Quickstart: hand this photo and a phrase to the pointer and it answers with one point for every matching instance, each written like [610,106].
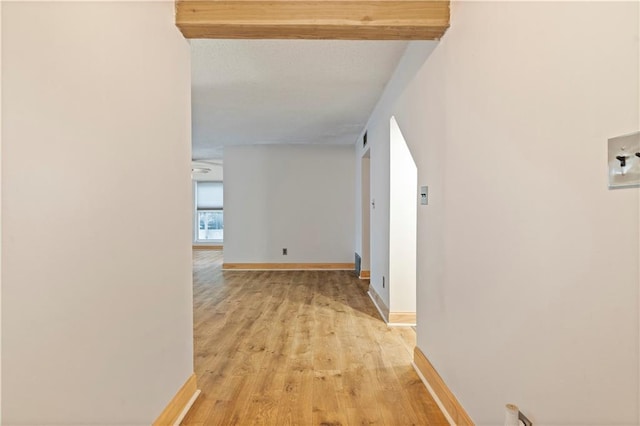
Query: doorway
[403,221]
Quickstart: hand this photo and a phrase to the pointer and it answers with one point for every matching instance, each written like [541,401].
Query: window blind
[209,195]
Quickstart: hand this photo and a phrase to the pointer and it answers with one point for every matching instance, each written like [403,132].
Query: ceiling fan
[204,166]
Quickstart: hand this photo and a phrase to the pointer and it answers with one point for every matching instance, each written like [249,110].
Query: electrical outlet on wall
[284,251]
[383,281]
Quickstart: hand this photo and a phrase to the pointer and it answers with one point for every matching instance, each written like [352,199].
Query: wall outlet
[383,281]
[284,251]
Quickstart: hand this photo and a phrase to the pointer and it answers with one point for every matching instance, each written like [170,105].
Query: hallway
[299,348]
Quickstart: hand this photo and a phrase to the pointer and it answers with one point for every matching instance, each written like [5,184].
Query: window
[210,214]
[210,225]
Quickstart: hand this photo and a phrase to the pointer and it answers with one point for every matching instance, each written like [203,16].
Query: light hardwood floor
[299,348]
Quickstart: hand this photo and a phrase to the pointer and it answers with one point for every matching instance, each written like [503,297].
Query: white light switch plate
[624,163]
[424,195]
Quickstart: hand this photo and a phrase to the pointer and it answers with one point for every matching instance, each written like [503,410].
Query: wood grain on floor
[299,348]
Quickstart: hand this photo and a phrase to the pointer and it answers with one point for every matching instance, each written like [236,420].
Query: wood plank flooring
[299,348]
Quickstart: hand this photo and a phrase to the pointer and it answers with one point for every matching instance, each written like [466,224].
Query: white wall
[363,203]
[528,267]
[403,220]
[96,217]
[293,196]
[365,210]
[379,219]
[379,145]
[379,192]
[358,190]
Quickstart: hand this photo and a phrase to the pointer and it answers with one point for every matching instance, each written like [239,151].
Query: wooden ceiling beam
[313,19]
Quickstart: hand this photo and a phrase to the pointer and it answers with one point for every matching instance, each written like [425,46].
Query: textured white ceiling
[285,91]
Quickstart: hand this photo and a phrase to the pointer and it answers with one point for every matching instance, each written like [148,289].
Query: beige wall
[527,264]
[96,212]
